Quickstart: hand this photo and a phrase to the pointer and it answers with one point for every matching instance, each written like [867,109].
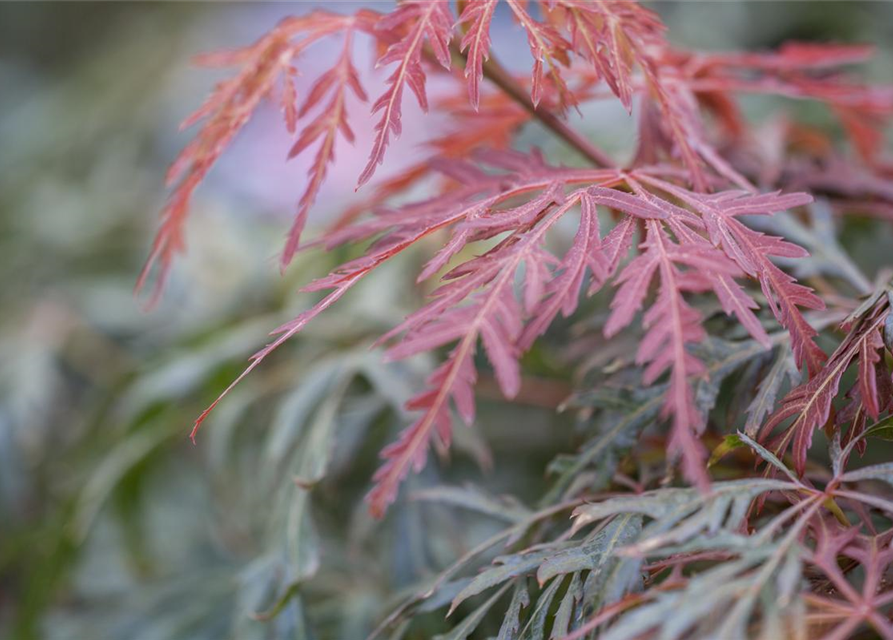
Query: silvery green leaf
[722,358]
[596,553]
[721,602]
[888,323]
[768,456]
[821,238]
[563,615]
[444,594]
[882,472]
[539,617]
[295,409]
[783,367]
[625,416]
[470,622]
[506,567]
[671,506]
[511,624]
[475,499]
[679,515]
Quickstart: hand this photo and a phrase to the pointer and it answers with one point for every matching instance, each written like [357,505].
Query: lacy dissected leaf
[608,576]
[678,515]
[595,553]
[230,106]
[477,301]
[810,404]
[751,251]
[756,582]
[622,414]
[505,298]
[820,237]
[477,16]
[671,325]
[423,21]
[800,71]
[331,120]
[613,37]
[853,607]
[757,593]
[547,47]
[618,414]
[514,200]
[783,367]
[671,322]
[618,36]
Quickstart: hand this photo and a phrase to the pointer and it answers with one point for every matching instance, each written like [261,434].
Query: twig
[495,72]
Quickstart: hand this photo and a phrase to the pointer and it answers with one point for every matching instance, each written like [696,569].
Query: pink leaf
[477,14]
[426,20]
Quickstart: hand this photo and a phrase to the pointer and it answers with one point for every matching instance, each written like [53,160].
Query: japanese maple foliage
[675,236]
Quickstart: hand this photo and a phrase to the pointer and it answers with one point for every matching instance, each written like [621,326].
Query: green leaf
[729,443]
[596,553]
[722,359]
[133,449]
[732,587]
[470,622]
[682,514]
[783,367]
[626,413]
[511,623]
[507,567]
[536,626]
[882,430]
[882,472]
[475,499]
[562,618]
[888,323]
[768,456]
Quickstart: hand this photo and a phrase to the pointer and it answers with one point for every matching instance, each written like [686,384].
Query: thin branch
[495,72]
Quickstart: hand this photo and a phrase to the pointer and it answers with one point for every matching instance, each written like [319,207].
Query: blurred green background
[111,524]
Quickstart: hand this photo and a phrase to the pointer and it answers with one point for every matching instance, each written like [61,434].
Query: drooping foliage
[712,273]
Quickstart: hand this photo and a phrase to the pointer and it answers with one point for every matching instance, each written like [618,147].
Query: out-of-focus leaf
[722,358]
[183,371]
[821,238]
[105,478]
[888,324]
[882,430]
[882,472]
[627,413]
[473,498]
[729,443]
[294,410]
[470,622]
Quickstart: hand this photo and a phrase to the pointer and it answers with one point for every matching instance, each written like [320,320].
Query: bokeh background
[112,525]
